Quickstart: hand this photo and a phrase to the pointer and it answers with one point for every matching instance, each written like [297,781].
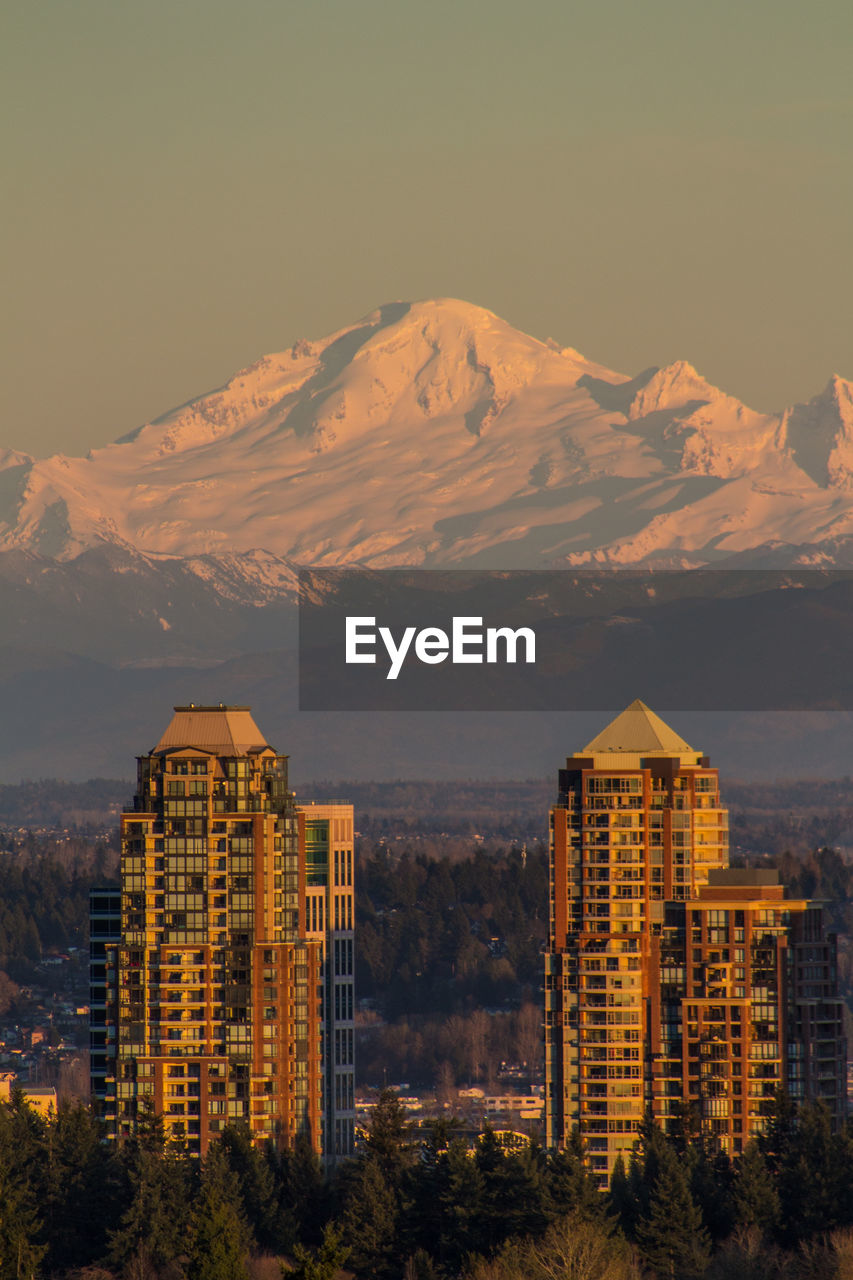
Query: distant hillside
[84,807]
[766,818]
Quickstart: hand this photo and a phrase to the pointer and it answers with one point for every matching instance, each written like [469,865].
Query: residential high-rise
[659,994]
[746,1003]
[211,998]
[326,834]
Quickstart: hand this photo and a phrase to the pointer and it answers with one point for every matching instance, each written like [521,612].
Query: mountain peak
[433,433]
[675,386]
[449,322]
[13,458]
[819,434]
[470,313]
[840,392]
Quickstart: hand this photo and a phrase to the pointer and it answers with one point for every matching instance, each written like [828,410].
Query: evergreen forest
[420,1206]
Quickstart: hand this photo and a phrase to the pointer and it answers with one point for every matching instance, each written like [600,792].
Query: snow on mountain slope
[820,435]
[10,458]
[433,433]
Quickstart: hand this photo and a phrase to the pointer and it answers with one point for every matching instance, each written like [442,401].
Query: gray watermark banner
[570,640]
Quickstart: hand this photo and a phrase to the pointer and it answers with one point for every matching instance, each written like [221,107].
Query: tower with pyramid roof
[673,984]
[637,824]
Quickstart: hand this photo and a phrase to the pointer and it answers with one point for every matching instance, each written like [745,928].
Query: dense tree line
[782,1209]
[44,899]
[425,1208]
[71,1204]
[466,1048]
[442,936]
[439,941]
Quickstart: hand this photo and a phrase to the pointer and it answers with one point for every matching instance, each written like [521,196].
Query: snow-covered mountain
[435,434]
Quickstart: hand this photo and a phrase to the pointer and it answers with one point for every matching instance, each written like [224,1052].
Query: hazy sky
[192,183]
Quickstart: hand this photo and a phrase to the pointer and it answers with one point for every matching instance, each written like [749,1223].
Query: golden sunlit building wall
[642,994]
[747,1003]
[208,985]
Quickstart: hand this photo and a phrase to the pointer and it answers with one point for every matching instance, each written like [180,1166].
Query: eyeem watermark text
[468,642]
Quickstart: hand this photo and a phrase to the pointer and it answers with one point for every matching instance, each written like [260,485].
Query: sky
[190,184]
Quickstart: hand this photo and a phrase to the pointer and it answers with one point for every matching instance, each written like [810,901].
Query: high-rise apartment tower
[671,983]
[326,836]
[213,995]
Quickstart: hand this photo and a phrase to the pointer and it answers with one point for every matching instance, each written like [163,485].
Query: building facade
[209,1000]
[326,831]
[747,1003]
[658,990]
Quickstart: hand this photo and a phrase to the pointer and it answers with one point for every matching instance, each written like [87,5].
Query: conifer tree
[461,1200]
[374,1190]
[526,1192]
[490,1159]
[684,1131]
[158,1195]
[220,1236]
[387,1140]
[671,1235]
[256,1184]
[369,1221]
[421,1219]
[571,1185]
[21,1246]
[711,1182]
[812,1176]
[654,1153]
[756,1200]
[779,1134]
[82,1188]
[620,1198]
[22,1231]
[303,1193]
[323,1263]
[515,1197]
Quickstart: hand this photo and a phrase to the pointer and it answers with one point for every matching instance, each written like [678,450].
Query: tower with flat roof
[746,1004]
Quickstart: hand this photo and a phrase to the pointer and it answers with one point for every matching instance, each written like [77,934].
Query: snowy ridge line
[434,434]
